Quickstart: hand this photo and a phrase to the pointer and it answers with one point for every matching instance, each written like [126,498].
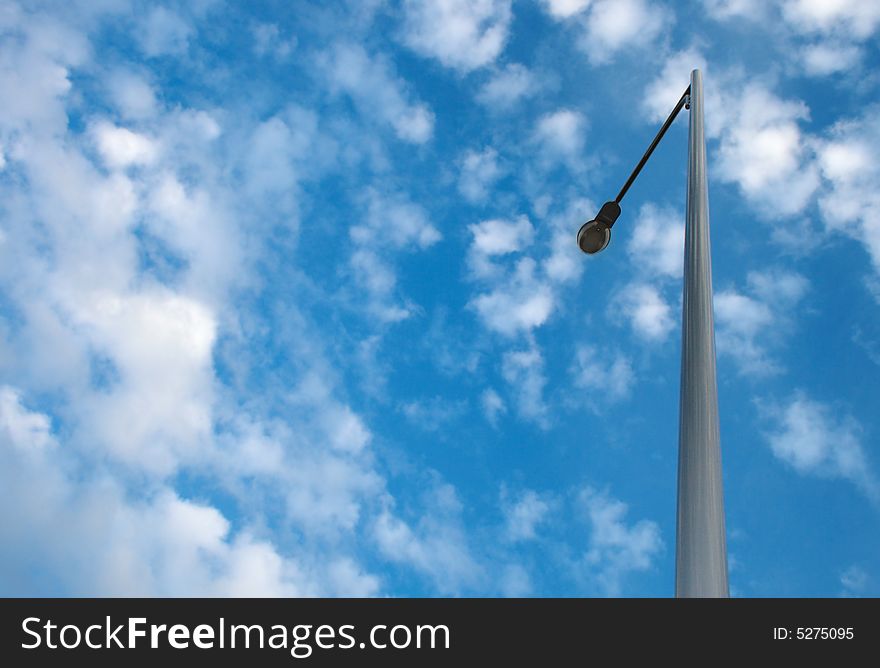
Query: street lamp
[595,234]
[701,548]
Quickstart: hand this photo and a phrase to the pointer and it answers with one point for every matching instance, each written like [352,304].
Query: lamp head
[595,234]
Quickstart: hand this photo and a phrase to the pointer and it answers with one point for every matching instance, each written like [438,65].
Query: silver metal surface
[701,547]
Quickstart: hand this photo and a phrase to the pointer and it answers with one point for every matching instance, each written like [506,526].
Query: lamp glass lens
[593,237]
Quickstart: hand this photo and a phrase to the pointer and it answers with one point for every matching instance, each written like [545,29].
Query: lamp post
[701,549]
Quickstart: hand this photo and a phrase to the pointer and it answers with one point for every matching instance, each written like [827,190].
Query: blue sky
[290,301]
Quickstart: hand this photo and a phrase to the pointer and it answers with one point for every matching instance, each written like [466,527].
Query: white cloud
[461,34]
[647,312]
[120,147]
[764,151]
[777,288]
[95,540]
[317,460]
[270,159]
[844,161]
[739,321]
[268,40]
[345,429]
[515,581]
[179,538]
[614,25]
[132,95]
[822,37]
[517,306]
[561,134]
[565,263]
[609,374]
[313,463]
[524,514]
[853,17]
[615,548]
[395,221]
[824,58]
[741,313]
[493,405]
[415,124]
[161,345]
[761,146]
[849,198]
[855,581]
[657,242]
[508,86]
[500,237]
[327,493]
[182,215]
[563,9]
[377,91]
[868,345]
[816,439]
[436,545]
[516,293]
[748,325]
[655,250]
[433,414]
[518,300]
[725,9]
[125,353]
[524,372]
[392,224]
[34,75]
[345,577]
[251,449]
[164,32]
[479,171]
[379,280]
[20,427]
[153,407]
[674,78]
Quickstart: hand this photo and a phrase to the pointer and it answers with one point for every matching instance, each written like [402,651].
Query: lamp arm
[663,129]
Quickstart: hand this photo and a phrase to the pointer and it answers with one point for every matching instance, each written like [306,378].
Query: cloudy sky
[290,301]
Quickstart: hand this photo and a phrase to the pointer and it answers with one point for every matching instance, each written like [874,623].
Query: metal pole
[701,549]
